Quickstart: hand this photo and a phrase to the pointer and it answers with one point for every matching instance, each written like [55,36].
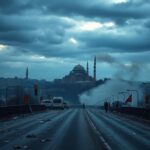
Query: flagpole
[137,95]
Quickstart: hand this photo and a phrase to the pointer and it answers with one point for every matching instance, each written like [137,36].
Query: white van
[58,103]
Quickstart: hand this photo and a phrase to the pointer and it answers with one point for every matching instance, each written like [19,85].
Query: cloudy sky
[52,36]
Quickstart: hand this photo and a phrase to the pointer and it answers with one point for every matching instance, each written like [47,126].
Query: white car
[48,103]
[58,103]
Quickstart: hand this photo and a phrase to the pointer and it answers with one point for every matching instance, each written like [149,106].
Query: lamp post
[6,93]
[113,98]
[137,93]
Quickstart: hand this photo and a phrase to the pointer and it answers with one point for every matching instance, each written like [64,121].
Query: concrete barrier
[139,112]
[22,109]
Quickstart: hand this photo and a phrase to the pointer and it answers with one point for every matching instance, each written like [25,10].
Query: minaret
[95,68]
[87,68]
[27,73]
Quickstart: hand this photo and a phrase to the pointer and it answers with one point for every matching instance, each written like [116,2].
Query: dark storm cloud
[95,8]
[147,23]
[32,32]
[33,22]
[98,8]
[136,58]
[29,39]
[14,23]
[37,26]
[42,33]
[121,43]
[11,7]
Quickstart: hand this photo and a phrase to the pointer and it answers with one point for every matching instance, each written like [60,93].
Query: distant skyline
[51,37]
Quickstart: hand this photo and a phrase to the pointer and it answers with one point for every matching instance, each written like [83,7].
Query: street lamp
[113,96]
[137,95]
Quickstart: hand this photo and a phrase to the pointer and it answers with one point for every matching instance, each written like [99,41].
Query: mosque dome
[78,68]
[77,74]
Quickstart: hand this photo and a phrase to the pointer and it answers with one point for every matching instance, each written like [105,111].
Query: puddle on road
[20,147]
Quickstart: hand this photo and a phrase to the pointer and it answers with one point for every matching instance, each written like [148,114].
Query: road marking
[98,133]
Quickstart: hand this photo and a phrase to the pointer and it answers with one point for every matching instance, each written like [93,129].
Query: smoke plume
[106,58]
[110,92]
[129,71]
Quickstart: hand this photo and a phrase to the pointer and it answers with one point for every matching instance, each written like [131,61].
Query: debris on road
[45,140]
[17,147]
[25,147]
[31,136]
[16,117]
[20,147]
[45,120]
[6,141]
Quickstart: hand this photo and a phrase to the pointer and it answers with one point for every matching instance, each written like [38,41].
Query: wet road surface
[73,129]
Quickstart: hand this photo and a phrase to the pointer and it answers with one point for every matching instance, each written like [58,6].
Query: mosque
[77,75]
[80,75]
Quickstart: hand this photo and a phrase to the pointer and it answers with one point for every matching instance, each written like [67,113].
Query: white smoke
[110,91]
[129,71]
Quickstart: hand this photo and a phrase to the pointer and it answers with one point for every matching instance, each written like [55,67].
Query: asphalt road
[73,129]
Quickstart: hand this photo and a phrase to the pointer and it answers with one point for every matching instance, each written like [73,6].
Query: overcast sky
[52,36]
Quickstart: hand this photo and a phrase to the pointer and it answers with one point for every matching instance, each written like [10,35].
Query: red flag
[129,99]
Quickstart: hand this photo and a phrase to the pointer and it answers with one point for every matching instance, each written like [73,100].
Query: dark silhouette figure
[106,106]
[83,106]
[117,106]
[109,106]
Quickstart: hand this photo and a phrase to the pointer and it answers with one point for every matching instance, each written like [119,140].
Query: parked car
[58,103]
[48,103]
[66,105]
